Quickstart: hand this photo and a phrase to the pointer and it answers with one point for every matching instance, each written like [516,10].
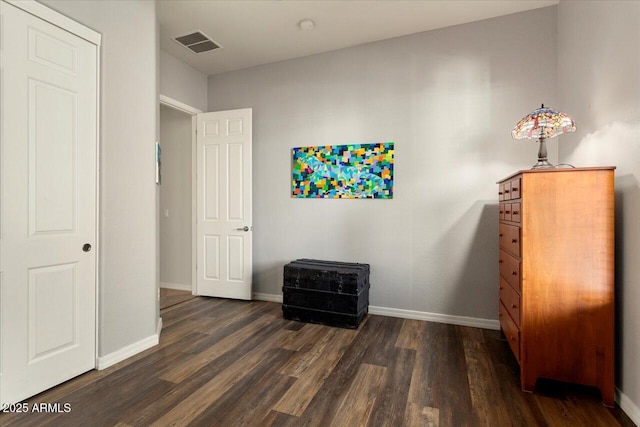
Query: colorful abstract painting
[352,171]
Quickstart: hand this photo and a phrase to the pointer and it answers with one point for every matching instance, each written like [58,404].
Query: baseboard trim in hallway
[111,359]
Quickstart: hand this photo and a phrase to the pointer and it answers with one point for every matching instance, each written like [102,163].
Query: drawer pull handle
[500,235]
[513,338]
[506,211]
[501,288]
[500,261]
[514,189]
[506,191]
[514,240]
[513,273]
[515,212]
[514,306]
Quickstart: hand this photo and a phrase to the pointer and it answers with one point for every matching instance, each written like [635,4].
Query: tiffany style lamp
[543,123]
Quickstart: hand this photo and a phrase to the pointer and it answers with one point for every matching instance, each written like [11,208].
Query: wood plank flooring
[233,363]
[169,297]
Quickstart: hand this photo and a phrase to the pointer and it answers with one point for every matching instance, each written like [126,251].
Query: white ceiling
[263,31]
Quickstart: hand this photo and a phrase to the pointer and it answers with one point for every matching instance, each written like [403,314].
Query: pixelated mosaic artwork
[351,171]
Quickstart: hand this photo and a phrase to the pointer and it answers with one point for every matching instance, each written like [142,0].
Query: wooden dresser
[556,233]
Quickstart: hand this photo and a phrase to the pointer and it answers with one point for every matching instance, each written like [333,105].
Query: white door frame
[55,18]
[192,111]
[45,13]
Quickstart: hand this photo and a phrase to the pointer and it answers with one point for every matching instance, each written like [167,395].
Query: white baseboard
[176,286]
[436,317]
[410,314]
[159,327]
[267,297]
[628,406]
[131,350]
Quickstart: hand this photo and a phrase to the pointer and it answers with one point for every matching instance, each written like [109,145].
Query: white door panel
[48,209]
[52,140]
[224,234]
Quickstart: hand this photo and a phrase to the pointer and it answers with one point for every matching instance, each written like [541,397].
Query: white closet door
[48,204]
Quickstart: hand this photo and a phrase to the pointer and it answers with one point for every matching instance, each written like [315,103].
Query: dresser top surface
[554,170]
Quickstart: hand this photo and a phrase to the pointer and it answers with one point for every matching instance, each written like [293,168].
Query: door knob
[86,247]
[245,228]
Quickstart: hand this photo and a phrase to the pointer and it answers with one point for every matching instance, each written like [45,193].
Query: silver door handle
[245,228]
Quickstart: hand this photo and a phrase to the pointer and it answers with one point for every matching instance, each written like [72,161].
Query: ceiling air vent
[197,42]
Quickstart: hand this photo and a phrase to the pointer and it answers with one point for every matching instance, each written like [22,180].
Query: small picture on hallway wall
[158,164]
[350,171]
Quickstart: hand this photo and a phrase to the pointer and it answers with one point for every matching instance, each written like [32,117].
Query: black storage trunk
[327,292]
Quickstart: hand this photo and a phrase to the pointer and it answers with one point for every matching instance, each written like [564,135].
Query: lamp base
[543,164]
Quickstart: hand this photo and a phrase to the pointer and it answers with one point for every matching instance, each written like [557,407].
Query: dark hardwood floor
[228,363]
[169,297]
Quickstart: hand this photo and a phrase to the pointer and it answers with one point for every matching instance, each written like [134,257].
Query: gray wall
[599,83]
[128,306]
[449,99]
[182,82]
[175,197]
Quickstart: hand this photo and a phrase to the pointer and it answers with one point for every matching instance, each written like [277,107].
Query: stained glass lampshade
[543,123]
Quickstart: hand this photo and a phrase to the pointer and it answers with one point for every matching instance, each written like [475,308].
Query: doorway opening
[176,202]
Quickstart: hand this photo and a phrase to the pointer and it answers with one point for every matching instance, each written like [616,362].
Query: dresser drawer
[501,211]
[511,300]
[509,269]
[510,238]
[515,212]
[515,188]
[511,331]
[507,190]
[500,192]
[507,211]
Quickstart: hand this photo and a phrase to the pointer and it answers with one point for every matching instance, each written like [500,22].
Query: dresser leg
[528,384]
[608,398]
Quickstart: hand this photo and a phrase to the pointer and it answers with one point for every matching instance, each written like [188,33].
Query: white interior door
[48,204]
[224,231]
